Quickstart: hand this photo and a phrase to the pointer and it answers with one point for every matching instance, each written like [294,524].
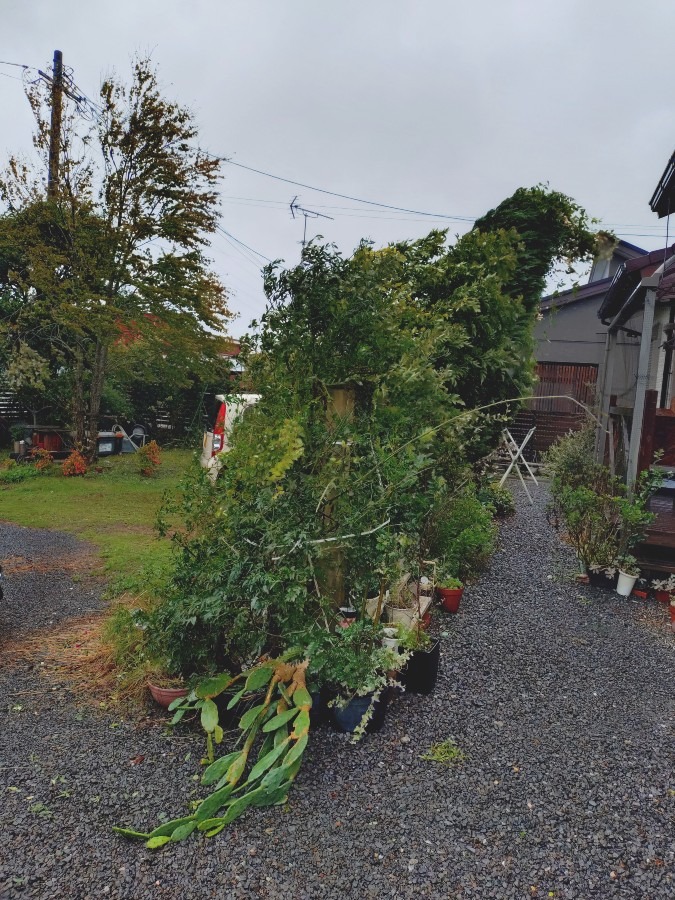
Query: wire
[310,187]
[227,234]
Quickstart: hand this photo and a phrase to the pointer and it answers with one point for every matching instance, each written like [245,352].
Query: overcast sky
[437,106]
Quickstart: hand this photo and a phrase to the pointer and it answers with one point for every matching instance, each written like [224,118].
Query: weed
[446,752]
[39,809]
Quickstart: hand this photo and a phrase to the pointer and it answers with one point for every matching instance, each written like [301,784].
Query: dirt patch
[80,562]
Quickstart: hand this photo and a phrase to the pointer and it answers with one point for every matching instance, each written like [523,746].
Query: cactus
[286,704]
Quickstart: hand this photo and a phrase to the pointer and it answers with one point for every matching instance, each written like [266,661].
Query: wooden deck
[657,551]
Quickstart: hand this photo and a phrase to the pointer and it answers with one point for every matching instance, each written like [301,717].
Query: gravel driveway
[561,697]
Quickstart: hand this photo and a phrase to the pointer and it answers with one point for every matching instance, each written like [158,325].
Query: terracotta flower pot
[662,596]
[165,696]
[450,598]
[641,594]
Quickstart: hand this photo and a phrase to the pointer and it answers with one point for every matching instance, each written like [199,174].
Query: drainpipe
[642,380]
[606,381]
[667,363]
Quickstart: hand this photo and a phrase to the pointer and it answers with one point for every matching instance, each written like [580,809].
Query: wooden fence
[549,410]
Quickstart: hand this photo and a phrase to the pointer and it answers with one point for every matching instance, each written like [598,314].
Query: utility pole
[55,127]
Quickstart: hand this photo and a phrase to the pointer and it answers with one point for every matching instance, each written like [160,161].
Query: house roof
[590,291]
[663,198]
[594,289]
[627,278]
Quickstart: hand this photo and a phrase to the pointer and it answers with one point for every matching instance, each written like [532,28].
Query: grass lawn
[114,510]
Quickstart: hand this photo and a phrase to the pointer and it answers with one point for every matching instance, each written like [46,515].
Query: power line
[257,252]
[310,187]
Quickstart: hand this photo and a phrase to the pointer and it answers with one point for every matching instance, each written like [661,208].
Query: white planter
[407,616]
[390,643]
[625,584]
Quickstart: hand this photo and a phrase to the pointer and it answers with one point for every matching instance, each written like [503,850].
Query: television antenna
[307,214]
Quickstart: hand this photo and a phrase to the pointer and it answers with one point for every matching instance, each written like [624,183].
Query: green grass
[114,510]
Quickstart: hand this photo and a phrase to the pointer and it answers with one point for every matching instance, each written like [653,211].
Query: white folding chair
[515,452]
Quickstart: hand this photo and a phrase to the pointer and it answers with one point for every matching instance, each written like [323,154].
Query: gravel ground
[561,697]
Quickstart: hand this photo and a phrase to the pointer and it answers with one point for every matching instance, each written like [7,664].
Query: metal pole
[606,383]
[55,127]
[642,383]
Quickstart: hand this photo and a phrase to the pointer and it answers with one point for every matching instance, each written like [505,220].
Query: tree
[119,251]
[552,230]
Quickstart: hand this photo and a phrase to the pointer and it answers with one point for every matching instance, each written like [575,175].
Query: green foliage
[354,466]
[352,660]
[446,752]
[278,727]
[461,535]
[416,638]
[602,523]
[552,230]
[499,498]
[115,258]
[12,473]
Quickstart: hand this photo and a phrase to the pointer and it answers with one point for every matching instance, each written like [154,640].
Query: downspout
[642,380]
[667,364]
[606,381]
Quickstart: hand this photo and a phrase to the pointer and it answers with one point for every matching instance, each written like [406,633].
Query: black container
[228,719]
[421,672]
[318,712]
[599,579]
[348,719]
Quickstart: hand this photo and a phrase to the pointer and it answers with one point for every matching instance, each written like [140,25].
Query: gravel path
[561,697]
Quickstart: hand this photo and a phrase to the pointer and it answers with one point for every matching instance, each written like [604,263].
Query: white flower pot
[625,584]
[407,616]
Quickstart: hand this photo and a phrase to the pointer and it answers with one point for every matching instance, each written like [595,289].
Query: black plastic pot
[228,719]
[348,719]
[421,672]
[599,579]
[318,711]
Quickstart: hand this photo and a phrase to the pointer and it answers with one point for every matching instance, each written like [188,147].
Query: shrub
[75,464]
[149,458]
[499,498]
[11,473]
[602,523]
[462,535]
[43,459]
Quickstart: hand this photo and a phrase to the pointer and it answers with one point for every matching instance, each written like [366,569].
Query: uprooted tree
[117,254]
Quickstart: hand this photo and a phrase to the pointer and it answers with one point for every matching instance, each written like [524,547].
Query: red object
[219,430]
[166,696]
[662,596]
[641,594]
[426,619]
[450,598]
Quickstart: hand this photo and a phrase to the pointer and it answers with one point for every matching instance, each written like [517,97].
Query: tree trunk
[95,391]
[78,399]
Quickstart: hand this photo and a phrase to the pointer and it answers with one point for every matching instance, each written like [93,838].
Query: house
[569,351]
[637,395]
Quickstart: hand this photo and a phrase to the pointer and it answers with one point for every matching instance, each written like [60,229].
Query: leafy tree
[119,251]
[309,498]
[552,229]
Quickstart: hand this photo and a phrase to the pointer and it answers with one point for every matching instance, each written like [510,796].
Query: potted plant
[628,574]
[450,591]
[354,669]
[663,588]
[165,689]
[421,671]
[18,433]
